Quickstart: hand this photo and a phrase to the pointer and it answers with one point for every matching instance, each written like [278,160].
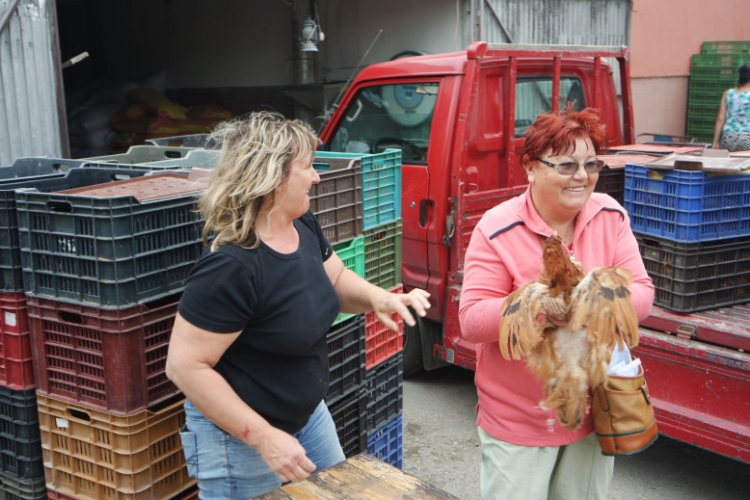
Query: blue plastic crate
[687,206]
[381,184]
[387,444]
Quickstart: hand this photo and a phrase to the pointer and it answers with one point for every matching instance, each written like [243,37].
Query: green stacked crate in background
[712,72]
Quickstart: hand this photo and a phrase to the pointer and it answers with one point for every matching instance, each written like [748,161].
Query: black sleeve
[220,294]
[326,250]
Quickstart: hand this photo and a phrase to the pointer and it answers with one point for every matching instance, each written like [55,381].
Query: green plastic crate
[720,60]
[733,47]
[383,254]
[352,253]
[715,73]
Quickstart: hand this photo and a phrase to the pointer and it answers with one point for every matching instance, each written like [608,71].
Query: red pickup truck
[459,120]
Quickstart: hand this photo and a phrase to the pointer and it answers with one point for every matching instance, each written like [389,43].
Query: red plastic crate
[16,359]
[381,342]
[111,360]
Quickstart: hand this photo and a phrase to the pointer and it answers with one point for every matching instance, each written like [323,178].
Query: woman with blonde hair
[248,348]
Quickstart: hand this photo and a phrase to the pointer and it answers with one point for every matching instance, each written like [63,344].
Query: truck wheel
[413,363]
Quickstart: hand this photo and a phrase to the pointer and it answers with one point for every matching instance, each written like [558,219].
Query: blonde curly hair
[257,151]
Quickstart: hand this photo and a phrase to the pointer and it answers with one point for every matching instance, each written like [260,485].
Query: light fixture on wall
[311,35]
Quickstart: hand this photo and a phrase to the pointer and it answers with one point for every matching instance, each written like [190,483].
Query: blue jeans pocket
[190,449]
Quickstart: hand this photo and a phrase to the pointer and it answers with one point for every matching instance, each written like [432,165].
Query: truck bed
[698,373]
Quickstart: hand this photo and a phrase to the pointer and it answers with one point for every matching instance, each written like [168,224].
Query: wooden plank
[361,477]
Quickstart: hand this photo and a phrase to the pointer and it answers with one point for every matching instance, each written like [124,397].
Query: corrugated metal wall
[579,22]
[29,81]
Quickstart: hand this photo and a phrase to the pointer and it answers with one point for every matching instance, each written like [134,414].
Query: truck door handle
[423,206]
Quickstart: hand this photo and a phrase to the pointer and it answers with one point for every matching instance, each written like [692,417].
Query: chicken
[568,359]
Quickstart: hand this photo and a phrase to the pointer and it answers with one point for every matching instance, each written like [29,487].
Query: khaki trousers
[577,471]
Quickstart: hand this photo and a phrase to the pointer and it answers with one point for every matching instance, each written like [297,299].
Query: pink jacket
[505,253]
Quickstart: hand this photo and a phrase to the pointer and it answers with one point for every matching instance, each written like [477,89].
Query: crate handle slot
[173,154]
[651,242]
[319,165]
[378,236]
[655,174]
[78,414]
[122,177]
[60,206]
[70,317]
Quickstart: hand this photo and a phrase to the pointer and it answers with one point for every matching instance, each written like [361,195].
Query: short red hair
[559,131]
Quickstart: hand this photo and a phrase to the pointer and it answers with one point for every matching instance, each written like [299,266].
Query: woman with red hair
[526,452]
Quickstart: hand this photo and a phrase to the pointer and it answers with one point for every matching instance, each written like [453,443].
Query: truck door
[398,114]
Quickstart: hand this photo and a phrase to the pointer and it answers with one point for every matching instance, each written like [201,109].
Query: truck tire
[413,362]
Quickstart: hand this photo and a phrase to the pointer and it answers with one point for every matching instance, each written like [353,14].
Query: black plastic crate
[11,276]
[350,417]
[20,439]
[691,277]
[612,182]
[111,252]
[385,391]
[12,489]
[346,358]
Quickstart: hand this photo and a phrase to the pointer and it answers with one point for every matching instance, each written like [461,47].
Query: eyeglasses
[571,167]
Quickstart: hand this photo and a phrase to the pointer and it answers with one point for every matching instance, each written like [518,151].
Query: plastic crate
[94,455]
[612,182]
[198,158]
[191,494]
[738,47]
[20,442]
[716,74]
[721,60]
[16,358]
[336,200]
[383,254]
[702,114]
[691,277]
[142,154]
[346,358]
[385,391]
[40,168]
[112,361]
[381,184]
[705,98]
[381,341]
[352,254]
[387,443]
[190,141]
[114,245]
[350,417]
[12,489]
[687,206]
[11,275]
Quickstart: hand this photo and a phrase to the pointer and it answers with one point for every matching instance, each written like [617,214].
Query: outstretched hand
[390,303]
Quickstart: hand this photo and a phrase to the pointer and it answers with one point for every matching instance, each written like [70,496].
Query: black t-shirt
[284,304]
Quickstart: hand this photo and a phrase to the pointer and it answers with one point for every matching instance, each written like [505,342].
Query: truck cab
[459,120]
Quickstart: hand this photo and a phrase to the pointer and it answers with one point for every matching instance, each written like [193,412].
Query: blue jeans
[228,469]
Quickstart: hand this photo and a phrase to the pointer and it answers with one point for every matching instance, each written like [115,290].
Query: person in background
[248,348]
[733,120]
[526,453]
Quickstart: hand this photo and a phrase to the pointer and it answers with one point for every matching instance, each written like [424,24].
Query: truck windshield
[388,116]
[534,97]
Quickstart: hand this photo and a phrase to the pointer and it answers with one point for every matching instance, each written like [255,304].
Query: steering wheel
[409,150]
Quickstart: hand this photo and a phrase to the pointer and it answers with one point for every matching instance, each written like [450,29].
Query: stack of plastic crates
[103,265]
[693,230]
[368,418]
[21,468]
[712,72]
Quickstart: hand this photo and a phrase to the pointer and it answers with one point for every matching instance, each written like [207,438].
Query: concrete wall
[666,33]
